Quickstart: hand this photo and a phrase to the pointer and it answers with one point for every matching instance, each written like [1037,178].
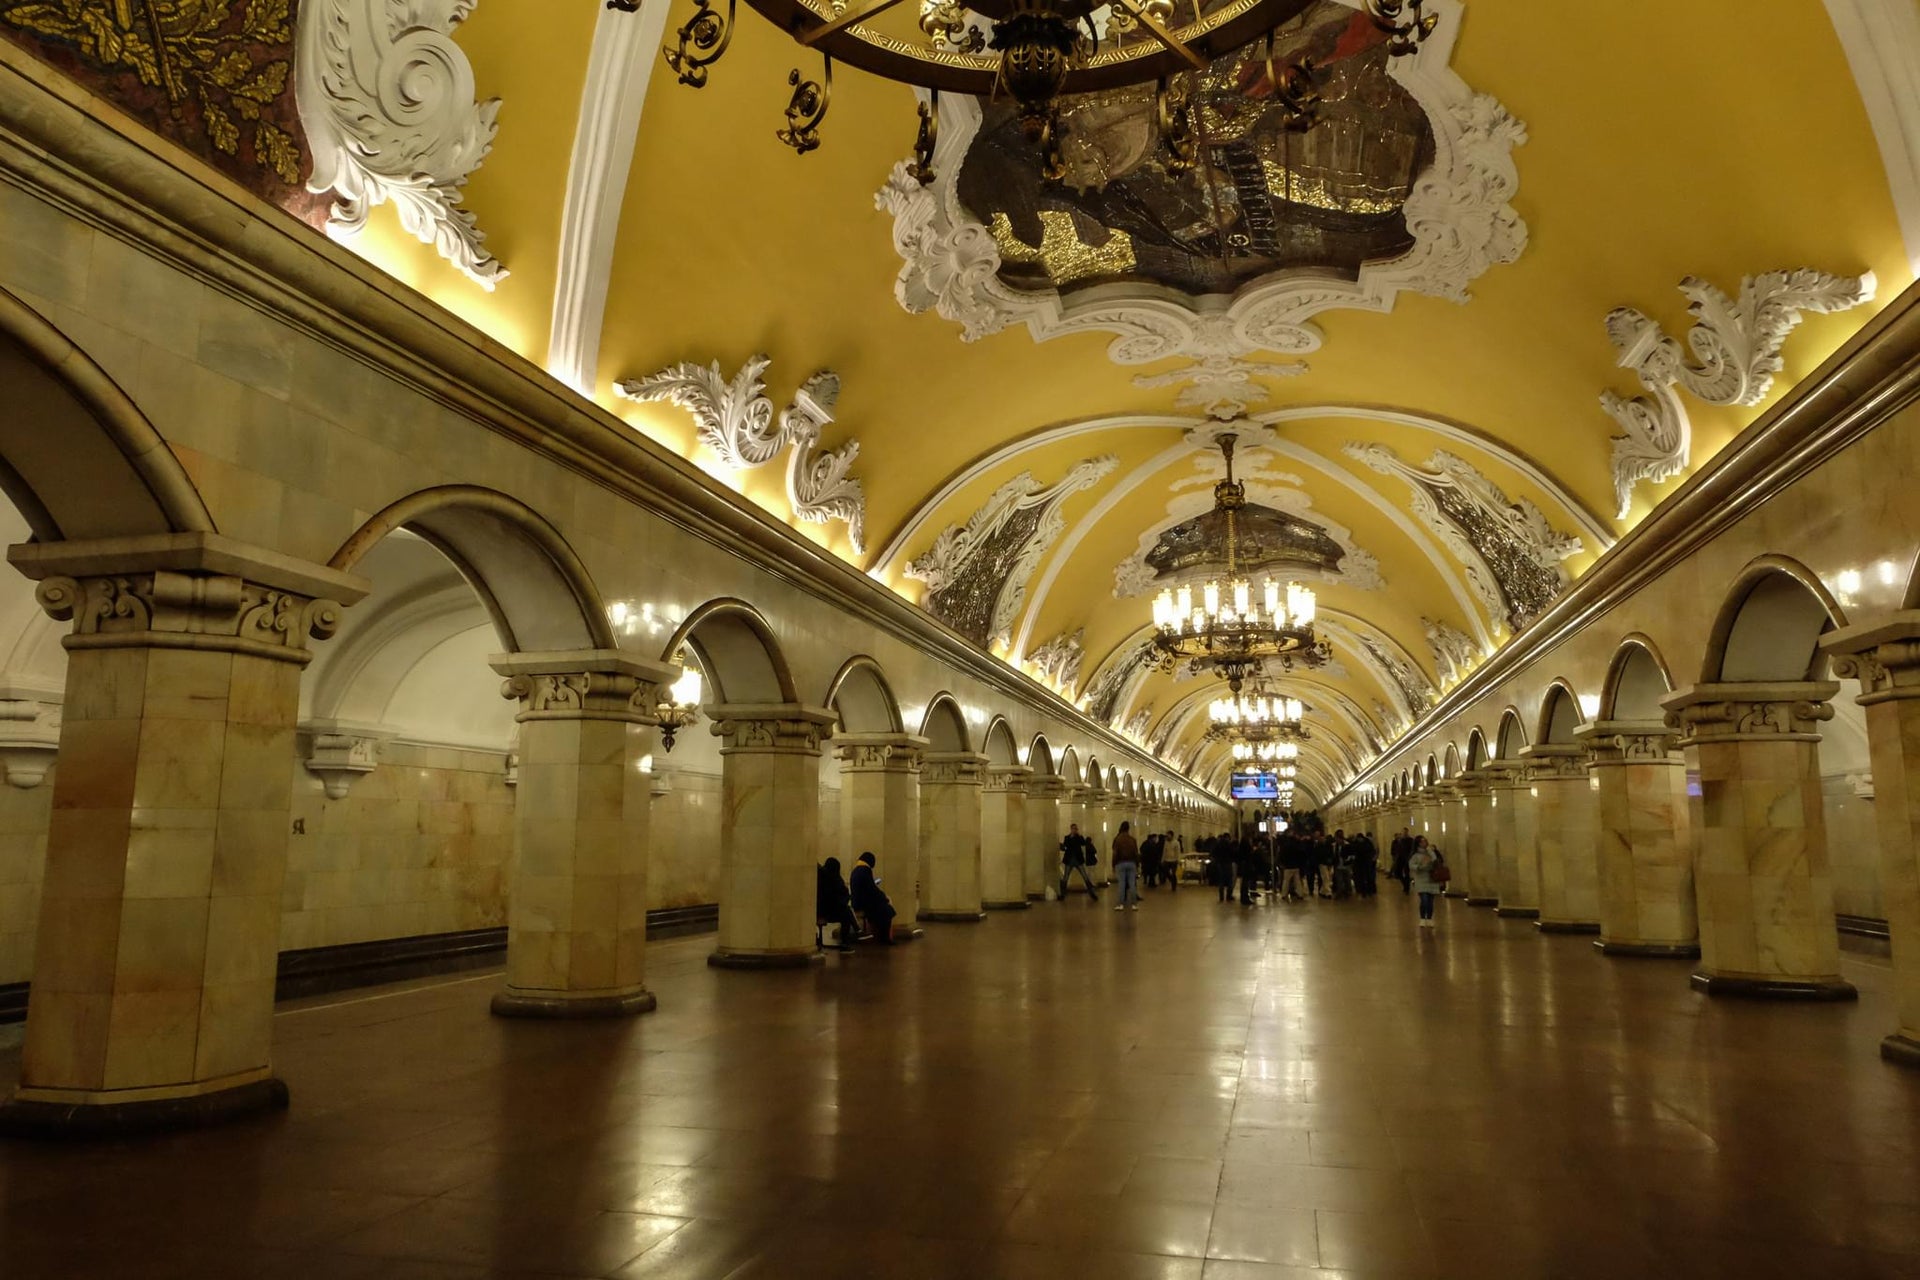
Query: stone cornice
[76,151]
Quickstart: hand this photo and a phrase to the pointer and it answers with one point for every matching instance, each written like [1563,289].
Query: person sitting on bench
[832,903]
[871,901]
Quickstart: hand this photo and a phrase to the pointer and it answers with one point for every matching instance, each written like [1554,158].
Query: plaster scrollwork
[1136,725]
[977,574]
[387,101]
[1454,651]
[1059,660]
[1459,215]
[734,418]
[1511,554]
[583,695]
[1735,346]
[223,612]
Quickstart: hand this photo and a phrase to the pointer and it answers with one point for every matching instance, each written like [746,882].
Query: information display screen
[1250,785]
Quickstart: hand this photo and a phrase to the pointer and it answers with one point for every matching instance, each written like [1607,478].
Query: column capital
[1554,761]
[1008,777]
[341,752]
[1506,775]
[1473,782]
[771,728]
[1787,711]
[1883,656]
[1623,742]
[583,684]
[1049,785]
[956,768]
[879,752]
[187,591]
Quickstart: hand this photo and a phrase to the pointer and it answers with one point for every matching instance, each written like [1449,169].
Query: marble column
[1516,869]
[880,814]
[1003,838]
[577,901]
[769,833]
[1476,870]
[1646,854]
[1760,839]
[950,842]
[1566,837]
[159,928]
[1446,833]
[1042,865]
[1885,658]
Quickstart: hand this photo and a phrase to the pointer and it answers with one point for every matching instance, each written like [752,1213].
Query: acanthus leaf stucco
[1735,345]
[387,101]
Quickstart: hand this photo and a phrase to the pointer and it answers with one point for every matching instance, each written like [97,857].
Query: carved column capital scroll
[1783,712]
[1613,743]
[587,684]
[879,752]
[1883,656]
[1008,777]
[954,768]
[772,728]
[1554,762]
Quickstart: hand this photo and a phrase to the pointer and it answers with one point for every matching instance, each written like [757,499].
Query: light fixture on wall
[681,705]
[1231,627]
[1032,51]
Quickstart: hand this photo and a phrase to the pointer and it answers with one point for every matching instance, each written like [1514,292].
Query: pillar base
[954,917]
[1037,897]
[1454,893]
[524,1004]
[1482,902]
[1900,1048]
[1567,926]
[1517,913]
[1652,950]
[764,959]
[1816,989]
[1022,905]
[31,1117]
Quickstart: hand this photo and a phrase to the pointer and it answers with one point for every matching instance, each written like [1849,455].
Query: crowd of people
[1304,861]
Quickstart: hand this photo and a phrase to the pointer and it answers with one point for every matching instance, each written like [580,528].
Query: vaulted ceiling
[1432,429]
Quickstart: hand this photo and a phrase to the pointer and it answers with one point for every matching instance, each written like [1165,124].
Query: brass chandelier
[1034,51]
[1259,717]
[1231,628]
[1267,753]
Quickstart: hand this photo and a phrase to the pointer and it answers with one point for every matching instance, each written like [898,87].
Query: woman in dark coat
[831,901]
[871,901]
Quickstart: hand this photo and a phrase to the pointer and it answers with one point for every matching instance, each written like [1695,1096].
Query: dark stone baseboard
[1023,905]
[1517,913]
[954,917]
[318,971]
[1567,926]
[31,1119]
[1483,902]
[1904,1050]
[1649,950]
[1816,990]
[511,1004]
[765,960]
[1863,926]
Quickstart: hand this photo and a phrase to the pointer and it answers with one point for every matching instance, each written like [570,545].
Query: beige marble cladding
[769,832]
[1516,870]
[950,835]
[23,855]
[1041,865]
[1566,837]
[1759,833]
[1853,843]
[420,845]
[1473,871]
[880,813]
[1647,902]
[1003,835]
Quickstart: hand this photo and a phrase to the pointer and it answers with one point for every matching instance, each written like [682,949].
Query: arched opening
[944,726]
[1040,757]
[1070,767]
[1450,762]
[738,653]
[1559,715]
[1476,749]
[1769,628]
[1512,738]
[998,745]
[863,699]
[1636,681]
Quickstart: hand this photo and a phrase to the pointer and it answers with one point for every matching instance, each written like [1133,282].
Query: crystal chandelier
[1233,627]
[1033,51]
[1267,753]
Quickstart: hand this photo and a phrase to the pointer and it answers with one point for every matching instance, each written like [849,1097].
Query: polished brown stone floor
[1189,1091]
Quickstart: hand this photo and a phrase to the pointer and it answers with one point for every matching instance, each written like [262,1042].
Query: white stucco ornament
[387,101]
[1735,344]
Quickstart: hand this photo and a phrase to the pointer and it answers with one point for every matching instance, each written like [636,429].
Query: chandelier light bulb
[1183,601]
[1210,594]
[1242,596]
[1273,598]
[1163,613]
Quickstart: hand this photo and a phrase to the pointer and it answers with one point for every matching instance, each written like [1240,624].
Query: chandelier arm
[1160,33]
[845,20]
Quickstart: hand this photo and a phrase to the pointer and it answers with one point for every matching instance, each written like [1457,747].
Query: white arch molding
[1881,39]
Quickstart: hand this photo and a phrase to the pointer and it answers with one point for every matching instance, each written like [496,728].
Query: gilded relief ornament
[227,63]
[1735,346]
[387,99]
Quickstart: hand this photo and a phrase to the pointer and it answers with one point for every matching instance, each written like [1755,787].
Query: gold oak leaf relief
[193,51]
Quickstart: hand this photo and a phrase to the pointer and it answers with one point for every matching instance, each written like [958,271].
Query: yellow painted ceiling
[1716,139]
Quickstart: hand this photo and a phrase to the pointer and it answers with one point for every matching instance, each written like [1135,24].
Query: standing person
[1420,867]
[1249,867]
[1402,850]
[1220,866]
[1126,866]
[871,901]
[831,902]
[1076,852]
[1291,852]
[1366,867]
[1153,852]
